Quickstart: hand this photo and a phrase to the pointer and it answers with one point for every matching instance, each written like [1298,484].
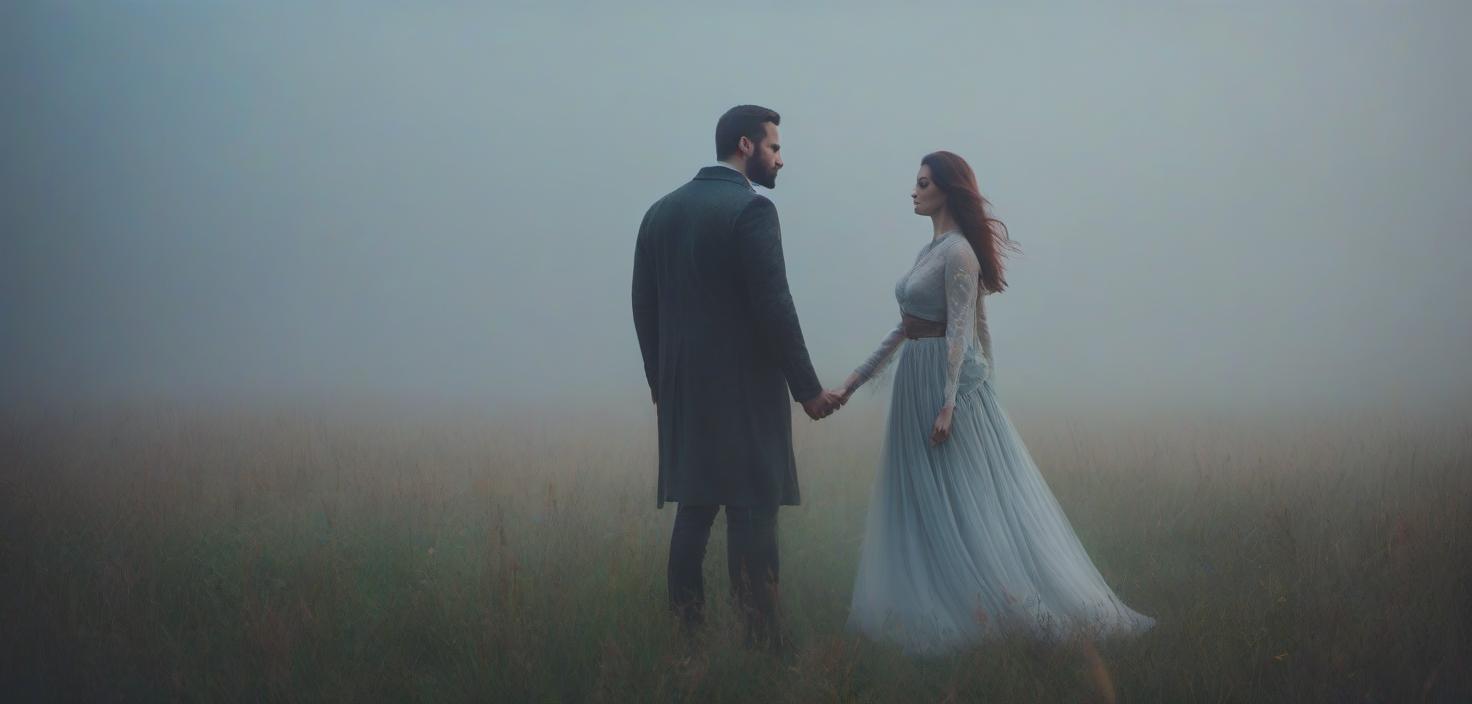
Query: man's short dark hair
[742,121]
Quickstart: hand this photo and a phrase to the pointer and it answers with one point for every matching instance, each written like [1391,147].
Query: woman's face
[927,197]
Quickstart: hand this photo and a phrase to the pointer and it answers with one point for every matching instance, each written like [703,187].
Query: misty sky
[1217,202]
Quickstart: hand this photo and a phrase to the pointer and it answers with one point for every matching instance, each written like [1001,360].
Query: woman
[963,538]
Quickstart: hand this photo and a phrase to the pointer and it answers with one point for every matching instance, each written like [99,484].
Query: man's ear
[746,146]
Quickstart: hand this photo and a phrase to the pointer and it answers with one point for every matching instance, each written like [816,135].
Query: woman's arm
[875,363]
[961,282]
[962,279]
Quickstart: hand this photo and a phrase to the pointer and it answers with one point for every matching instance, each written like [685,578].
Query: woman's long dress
[964,540]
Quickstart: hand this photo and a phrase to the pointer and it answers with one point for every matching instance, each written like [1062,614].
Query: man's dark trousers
[751,560]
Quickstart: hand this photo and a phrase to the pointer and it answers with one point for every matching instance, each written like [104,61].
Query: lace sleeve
[877,361]
[962,272]
[984,335]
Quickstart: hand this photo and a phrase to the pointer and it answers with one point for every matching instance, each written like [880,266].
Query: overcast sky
[1229,203]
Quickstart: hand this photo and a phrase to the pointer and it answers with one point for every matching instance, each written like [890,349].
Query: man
[722,350]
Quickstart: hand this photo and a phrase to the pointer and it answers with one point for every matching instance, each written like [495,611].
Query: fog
[1219,204]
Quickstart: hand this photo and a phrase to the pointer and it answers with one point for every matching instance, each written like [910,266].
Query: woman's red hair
[987,235]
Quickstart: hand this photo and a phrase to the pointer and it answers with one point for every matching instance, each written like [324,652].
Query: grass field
[162,553]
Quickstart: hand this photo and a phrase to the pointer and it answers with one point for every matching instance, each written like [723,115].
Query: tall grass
[183,553]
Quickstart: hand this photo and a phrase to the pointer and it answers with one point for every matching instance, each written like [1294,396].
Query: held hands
[941,431]
[823,405]
[834,398]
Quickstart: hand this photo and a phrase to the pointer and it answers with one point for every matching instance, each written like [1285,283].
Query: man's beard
[760,174]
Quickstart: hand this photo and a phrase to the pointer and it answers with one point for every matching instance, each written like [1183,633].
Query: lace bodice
[942,286]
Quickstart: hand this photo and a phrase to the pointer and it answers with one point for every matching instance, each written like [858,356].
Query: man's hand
[822,405]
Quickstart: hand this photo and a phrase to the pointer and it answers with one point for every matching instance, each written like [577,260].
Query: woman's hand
[941,431]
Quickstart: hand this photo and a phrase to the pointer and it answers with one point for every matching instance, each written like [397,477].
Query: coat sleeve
[646,306]
[758,246]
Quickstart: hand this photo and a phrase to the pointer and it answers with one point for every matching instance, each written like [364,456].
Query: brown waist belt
[915,328]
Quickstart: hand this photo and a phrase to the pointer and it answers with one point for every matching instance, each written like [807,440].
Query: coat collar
[721,173]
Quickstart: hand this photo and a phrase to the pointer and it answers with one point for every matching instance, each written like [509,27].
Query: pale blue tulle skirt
[964,541]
